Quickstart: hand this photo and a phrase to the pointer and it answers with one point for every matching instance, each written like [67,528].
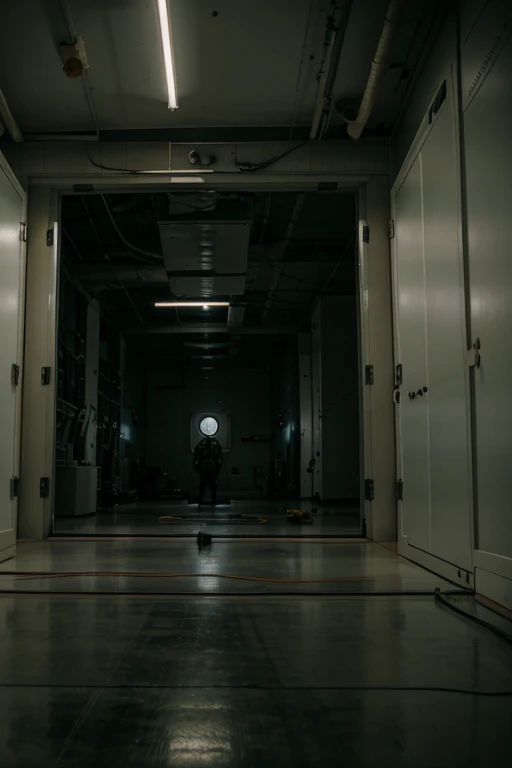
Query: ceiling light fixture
[180,304]
[165,33]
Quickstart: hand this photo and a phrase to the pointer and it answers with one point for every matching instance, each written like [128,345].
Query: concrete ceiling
[239,63]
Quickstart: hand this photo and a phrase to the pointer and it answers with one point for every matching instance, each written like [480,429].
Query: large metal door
[446,343]
[413,440]
[11,278]
[432,418]
[488,131]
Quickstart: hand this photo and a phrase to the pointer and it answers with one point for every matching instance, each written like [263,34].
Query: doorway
[177,309]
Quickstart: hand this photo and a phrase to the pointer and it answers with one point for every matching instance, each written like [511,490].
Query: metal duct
[205,251]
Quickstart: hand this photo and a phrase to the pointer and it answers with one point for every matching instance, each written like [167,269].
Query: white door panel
[410,308]
[431,341]
[11,210]
[446,339]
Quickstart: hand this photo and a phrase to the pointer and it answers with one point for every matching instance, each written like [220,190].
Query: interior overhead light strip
[165,33]
[179,304]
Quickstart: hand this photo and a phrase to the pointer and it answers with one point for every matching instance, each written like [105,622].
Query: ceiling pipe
[73,37]
[9,121]
[322,77]
[61,137]
[379,69]
[341,32]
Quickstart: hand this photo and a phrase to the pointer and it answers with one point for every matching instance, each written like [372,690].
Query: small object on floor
[298,516]
[204,539]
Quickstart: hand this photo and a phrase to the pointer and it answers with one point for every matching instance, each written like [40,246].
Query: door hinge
[366,234]
[473,355]
[46,373]
[15,374]
[391,229]
[49,237]
[23,231]
[399,490]
[369,491]
[44,487]
[368,375]
[15,487]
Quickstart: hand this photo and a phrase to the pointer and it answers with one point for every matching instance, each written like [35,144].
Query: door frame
[366,175]
[8,538]
[425,559]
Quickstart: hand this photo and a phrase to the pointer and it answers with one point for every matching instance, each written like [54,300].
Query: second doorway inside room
[212,315]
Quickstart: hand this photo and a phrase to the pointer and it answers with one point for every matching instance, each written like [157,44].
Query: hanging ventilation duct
[205,247]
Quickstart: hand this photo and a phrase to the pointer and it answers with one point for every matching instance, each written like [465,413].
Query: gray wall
[174,394]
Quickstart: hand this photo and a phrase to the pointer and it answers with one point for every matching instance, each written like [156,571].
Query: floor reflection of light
[199,749]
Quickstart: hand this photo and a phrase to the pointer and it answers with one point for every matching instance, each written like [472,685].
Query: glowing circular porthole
[209,426]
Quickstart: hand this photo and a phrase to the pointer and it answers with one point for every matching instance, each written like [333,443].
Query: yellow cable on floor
[24,576]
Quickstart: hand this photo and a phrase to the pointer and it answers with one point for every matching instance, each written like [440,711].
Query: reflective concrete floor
[244,680]
[248,518]
[291,566]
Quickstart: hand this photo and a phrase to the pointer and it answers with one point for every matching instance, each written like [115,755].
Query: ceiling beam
[206,329]
[145,275]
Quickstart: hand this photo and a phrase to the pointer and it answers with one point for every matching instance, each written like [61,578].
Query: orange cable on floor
[28,576]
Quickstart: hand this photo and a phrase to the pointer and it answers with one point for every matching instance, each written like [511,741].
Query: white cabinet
[430,331]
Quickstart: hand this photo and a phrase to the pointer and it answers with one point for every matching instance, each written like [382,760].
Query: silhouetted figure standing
[208,462]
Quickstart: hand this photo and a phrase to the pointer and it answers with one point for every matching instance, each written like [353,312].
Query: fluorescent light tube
[178,304]
[165,33]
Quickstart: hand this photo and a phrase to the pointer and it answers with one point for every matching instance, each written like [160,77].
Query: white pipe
[8,120]
[379,69]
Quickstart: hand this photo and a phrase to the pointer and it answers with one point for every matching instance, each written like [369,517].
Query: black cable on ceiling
[254,167]
[129,171]
[242,167]
[132,248]
[339,261]
[299,74]
[271,263]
